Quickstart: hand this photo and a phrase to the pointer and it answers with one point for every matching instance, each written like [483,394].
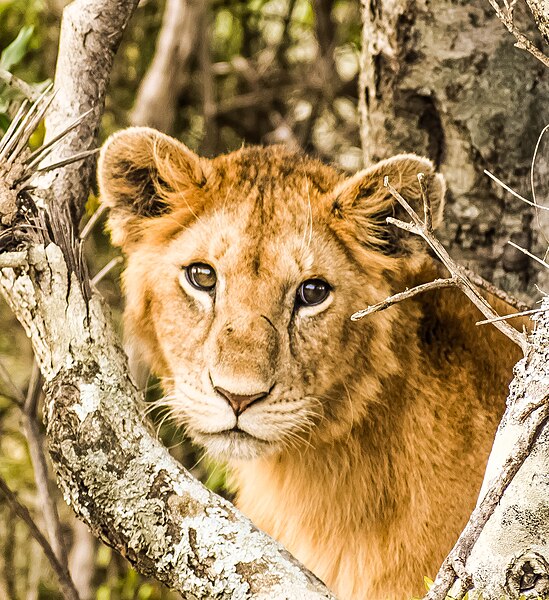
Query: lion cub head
[242,273]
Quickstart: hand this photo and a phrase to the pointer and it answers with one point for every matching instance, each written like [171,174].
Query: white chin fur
[230,446]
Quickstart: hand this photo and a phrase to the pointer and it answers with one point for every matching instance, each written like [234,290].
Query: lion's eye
[201,276]
[313,292]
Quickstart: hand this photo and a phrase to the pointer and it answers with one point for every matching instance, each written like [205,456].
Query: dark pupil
[313,291]
[201,276]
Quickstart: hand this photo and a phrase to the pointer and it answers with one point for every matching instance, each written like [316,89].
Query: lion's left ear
[366,202]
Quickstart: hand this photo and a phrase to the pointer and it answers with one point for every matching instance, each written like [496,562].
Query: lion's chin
[233,445]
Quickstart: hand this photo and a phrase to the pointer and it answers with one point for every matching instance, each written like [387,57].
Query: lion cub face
[242,274]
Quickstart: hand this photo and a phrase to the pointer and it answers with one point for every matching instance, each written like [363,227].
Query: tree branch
[522,41]
[67,587]
[458,277]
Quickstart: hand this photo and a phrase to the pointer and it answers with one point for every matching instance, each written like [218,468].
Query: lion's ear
[366,202]
[141,174]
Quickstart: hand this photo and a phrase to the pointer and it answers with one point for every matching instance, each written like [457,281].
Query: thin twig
[106,269]
[437,284]
[68,161]
[522,41]
[524,313]
[533,256]
[512,191]
[39,154]
[88,227]
[418,227]
[18,84]
[65,583]
[485,285]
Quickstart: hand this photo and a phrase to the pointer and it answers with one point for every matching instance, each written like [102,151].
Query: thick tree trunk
[445,80]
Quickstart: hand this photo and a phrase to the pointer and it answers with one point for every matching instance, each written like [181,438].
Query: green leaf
[17,49]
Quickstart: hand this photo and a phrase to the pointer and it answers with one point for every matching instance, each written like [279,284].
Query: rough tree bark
[511,556]
[445,80]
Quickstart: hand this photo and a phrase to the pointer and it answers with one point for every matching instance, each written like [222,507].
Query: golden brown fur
[366,455]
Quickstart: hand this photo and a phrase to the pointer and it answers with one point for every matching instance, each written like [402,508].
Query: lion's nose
[239,403]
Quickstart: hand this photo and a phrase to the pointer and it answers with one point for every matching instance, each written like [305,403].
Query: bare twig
[485,285]
[458,277]
[35,441]
[88,227]
[106,269]
[512,191]
[67,587]
[533,256]
[524,313]
[522,41]
[437,284]
[18,84]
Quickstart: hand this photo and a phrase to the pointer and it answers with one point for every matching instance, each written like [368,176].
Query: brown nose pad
[238,402]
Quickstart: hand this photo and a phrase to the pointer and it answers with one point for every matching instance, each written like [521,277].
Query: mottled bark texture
[445,80]
[91,32]
[116,476]
[511,556]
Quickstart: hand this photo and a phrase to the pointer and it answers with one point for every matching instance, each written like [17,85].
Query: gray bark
[511,556]
[116,476]
[91,32]
[445,80]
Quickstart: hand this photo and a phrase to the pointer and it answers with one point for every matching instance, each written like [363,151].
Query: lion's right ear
[142,173]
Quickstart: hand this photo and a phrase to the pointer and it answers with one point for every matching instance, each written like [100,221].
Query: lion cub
[358,445]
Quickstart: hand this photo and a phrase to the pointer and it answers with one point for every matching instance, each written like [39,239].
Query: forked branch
[458,276]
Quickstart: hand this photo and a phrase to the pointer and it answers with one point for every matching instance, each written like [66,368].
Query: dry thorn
[523,313]
[106,269]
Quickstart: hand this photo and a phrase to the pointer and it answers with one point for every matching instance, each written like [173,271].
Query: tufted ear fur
[142,174]
[366,202]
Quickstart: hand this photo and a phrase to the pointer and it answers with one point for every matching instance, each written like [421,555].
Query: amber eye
[312,292]
[201,276]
